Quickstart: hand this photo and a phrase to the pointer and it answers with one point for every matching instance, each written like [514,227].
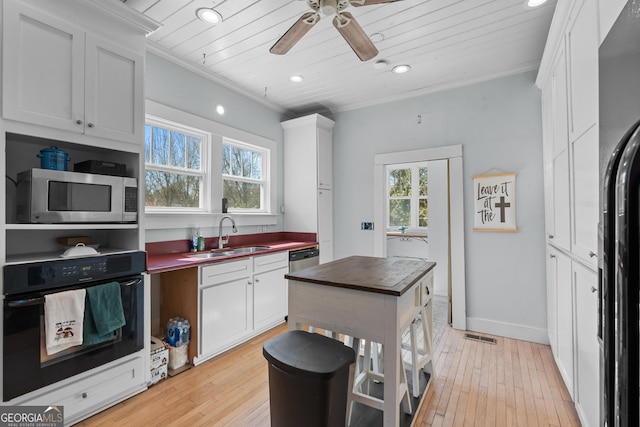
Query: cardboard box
[159,359]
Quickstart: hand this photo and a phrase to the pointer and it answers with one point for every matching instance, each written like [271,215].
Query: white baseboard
[508,330]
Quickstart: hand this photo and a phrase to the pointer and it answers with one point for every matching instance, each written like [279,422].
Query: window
[407,194]
[175,166]
[244,176]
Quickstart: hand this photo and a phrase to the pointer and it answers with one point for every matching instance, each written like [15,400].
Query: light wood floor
[512,383]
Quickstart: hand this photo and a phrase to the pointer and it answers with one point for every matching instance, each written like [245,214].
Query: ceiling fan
[344,22]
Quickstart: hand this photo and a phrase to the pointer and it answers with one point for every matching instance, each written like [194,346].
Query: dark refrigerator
[619,260]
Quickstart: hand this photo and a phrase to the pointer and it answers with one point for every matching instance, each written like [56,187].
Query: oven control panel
[29,277]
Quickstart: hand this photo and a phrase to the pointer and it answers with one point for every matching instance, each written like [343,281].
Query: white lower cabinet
[98,389]
[240,299]
[587,396]
[224,314]
[564,314]
[270,290]
[573,322]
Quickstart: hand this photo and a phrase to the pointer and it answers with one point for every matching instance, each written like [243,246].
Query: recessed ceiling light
[534,3]
[400,69]
[296,78]
[209,15]
[220,109]
[376,37]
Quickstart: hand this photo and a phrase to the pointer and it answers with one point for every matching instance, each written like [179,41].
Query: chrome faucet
[223,240]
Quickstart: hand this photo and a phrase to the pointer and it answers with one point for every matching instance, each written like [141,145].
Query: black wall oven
[26,365]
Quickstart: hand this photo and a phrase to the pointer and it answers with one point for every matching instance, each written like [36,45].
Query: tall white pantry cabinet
[568,78]
[308,179]
[73,77]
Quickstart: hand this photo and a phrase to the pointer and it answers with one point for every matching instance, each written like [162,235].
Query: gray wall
[499,125]
[177,87]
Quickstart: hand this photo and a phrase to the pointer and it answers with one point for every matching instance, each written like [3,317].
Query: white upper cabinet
[43,69]
[585,196]
[560,119]
[58,75]
[114,93]
[582,45]
[569,81]
[308,179]
[325,158]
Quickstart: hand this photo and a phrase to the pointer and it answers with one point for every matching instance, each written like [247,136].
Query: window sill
[173,220]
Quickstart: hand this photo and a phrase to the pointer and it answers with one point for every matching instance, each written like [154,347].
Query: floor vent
[480,338]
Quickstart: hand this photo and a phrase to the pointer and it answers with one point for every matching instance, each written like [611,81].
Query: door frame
[452,153]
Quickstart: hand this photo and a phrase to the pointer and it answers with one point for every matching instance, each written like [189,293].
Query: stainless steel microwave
[52,196]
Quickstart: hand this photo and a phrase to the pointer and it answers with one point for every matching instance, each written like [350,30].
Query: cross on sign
[502,206]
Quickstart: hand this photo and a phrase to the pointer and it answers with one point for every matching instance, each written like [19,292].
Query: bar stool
[421,352]
[363,371]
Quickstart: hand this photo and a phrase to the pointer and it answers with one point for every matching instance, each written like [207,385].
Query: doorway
[455,227]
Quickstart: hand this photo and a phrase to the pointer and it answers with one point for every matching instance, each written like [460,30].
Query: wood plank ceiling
[447,43]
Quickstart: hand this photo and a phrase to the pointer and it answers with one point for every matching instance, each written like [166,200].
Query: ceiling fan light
[376,37]
[220,109]
[400,69]
[380,64]
[534,3]
[208,15]
[296,78]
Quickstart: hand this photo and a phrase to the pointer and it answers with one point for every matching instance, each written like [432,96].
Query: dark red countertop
[174,255]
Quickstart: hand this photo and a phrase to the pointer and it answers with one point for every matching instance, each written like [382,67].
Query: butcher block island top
[390,276]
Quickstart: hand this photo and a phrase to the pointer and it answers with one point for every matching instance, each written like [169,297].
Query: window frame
[414,198]
[210,216]
[264,182]
[205,165]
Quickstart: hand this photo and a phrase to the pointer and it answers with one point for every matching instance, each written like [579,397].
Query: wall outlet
[366,226]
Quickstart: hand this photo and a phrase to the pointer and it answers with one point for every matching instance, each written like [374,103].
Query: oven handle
[40,300]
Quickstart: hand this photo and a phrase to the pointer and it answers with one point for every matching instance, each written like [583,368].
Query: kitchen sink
[211,254]
[216,253]
[250,249]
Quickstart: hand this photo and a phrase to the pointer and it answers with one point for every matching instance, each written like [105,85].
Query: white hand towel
[63,320]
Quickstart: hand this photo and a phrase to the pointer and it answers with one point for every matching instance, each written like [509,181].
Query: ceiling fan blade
[295,33]
[359,3]
[355,36]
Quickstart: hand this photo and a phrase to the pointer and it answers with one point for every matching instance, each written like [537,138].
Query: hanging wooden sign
[495,202]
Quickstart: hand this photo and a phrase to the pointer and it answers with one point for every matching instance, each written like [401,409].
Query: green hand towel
[103,313]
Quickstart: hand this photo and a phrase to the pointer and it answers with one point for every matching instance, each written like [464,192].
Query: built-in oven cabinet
[27,242]
[92,83]
[92,391]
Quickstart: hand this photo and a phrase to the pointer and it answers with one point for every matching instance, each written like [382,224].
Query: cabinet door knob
[591,254]
[78,122]
[550,236]
[257,280]
[90,125]
[552,256]
[593,289]
[249,282]
[85,395]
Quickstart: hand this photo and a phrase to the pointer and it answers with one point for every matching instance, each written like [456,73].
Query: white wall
[499,125]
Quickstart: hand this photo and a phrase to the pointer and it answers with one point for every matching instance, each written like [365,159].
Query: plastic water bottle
[178,332]
[185,333]
[194,241]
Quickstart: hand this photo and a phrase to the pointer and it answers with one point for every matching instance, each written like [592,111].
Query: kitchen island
[369,298]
